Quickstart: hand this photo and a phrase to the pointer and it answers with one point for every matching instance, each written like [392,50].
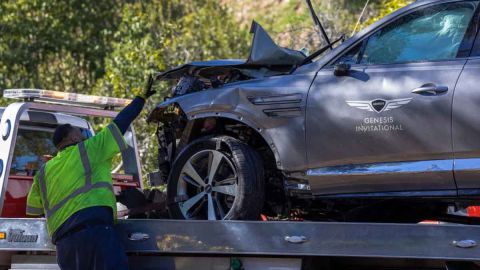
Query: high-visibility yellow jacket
[78,177]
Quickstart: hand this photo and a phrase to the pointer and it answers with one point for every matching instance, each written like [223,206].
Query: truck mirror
[341,69]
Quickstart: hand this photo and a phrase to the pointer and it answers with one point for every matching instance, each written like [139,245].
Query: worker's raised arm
[110,141]
[125,118]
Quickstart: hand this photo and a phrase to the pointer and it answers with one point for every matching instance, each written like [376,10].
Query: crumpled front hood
[264,53]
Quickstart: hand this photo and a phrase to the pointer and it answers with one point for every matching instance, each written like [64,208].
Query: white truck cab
[26,141]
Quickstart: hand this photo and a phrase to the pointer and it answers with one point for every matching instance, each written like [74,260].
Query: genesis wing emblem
[389,104]
[362,105]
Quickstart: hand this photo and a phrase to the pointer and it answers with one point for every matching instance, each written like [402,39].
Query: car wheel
[216,178]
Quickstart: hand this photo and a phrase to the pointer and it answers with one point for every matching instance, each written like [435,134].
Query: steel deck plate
[322,239]
[252,238]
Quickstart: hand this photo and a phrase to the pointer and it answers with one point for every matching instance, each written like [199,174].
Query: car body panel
[328,128]
[273,106]
[415,129]
[466,127]
[417,157]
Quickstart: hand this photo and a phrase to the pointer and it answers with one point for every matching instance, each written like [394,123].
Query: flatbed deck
[252,238]
[175,244]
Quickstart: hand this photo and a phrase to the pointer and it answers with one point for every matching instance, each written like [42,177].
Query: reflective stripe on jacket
[78,177]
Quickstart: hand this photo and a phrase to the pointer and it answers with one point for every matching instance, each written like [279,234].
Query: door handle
[430,89]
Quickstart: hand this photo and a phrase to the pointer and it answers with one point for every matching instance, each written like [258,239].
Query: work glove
[148,91]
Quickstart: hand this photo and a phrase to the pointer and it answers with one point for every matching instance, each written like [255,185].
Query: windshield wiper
[317,23]
[320,51]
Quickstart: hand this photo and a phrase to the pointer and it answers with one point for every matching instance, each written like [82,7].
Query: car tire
[236,190]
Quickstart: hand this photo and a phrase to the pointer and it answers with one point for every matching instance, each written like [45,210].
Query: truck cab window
[30,148]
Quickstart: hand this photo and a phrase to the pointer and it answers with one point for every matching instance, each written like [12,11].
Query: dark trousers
[92,248]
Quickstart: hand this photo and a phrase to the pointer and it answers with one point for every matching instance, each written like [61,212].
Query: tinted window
[352,56]
[432,33]
[31,146]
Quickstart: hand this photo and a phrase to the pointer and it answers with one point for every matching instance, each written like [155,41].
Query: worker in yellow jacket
[74,191]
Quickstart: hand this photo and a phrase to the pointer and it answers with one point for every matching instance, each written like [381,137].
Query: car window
[30,148]
[432,33]
[352,56]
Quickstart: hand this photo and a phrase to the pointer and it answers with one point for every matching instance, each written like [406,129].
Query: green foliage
[55,44]
[108,47]
[386,7]
[290,23]
[390,6]
[157,35]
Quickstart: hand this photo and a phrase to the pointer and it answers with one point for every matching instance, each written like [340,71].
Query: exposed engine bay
[265,59]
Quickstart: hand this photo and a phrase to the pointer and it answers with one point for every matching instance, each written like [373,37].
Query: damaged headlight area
[171,121]
[203,78]
[194,122]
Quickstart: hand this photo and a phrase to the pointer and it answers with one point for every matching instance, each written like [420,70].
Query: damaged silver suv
[389,119]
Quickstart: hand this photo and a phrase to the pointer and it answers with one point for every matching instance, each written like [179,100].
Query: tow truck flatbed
[175,244]
[377,243]
[252,238]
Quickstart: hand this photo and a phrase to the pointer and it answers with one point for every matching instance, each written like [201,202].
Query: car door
[386,125]
[466,126]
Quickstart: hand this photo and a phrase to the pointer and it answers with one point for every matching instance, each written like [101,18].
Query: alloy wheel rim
[207,186]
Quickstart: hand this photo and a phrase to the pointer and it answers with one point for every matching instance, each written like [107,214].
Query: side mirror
[341,69]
